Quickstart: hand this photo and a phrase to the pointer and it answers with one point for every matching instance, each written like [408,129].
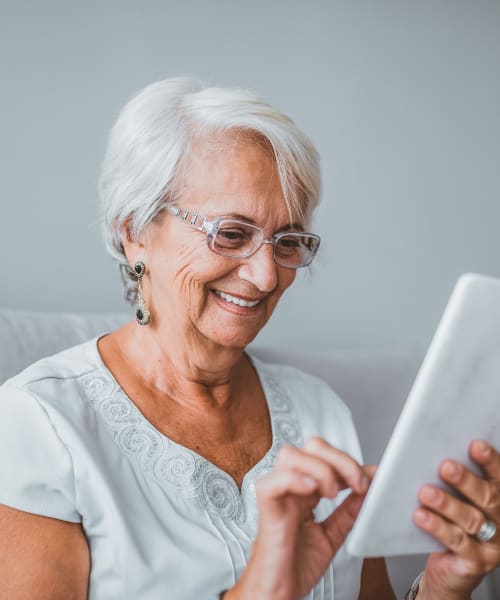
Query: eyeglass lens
[238,240]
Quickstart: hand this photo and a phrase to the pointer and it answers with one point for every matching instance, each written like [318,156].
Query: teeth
[234,300]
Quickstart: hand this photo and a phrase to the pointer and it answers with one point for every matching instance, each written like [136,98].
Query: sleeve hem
[39,509]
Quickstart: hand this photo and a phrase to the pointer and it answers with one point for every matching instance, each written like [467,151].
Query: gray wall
[402,99]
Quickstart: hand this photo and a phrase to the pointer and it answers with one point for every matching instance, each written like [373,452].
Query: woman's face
[184,279]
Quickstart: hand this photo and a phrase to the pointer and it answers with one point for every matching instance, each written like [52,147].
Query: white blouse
[162,521]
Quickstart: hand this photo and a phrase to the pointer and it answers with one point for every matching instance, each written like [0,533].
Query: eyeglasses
[239,239]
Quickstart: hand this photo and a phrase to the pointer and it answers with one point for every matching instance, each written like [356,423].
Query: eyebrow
[287,227]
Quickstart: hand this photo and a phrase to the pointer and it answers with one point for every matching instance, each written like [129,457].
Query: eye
[232,237]
[231,234]
[288,245]
[289,242]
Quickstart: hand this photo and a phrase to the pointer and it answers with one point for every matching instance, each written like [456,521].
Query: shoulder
[51,387]
[42,413]
[68,364]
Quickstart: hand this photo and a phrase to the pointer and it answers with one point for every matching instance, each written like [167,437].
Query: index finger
[349,470]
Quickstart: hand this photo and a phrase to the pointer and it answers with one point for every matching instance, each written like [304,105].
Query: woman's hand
[453,574]
[292,551]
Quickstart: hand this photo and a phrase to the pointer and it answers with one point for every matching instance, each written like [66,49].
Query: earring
[142,314]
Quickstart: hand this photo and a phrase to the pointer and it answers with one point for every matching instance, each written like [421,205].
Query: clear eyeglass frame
[291,249]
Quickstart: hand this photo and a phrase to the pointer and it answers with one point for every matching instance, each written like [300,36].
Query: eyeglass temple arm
[194,219]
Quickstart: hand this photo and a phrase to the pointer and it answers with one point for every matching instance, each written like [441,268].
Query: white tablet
[455,398]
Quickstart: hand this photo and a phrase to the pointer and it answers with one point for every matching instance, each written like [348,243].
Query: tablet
[455,398]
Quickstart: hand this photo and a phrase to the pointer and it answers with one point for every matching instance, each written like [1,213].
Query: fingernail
[309,481]
[483,448]
[422,516]
[451,470]
[430,494]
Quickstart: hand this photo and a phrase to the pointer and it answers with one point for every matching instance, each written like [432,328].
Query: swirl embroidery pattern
[178,469]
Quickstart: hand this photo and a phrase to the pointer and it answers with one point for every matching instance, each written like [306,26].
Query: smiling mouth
[234,300]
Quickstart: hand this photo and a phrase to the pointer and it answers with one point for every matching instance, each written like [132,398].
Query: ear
[133,248]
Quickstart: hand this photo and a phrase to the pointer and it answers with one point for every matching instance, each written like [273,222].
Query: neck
[198,375]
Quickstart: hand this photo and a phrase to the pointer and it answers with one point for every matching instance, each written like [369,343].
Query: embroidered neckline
[178,469]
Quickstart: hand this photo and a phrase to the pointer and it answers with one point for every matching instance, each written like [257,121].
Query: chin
[234,339]
[236,342]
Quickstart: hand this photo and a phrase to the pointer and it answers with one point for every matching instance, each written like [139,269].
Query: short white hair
[153,135]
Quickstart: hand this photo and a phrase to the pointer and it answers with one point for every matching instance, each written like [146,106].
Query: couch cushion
[28,336]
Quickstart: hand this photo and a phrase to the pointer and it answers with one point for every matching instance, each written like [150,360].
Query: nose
[260,269]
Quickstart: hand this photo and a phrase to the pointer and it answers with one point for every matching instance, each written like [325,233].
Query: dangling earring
[142,314]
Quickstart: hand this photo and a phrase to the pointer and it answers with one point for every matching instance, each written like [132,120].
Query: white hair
[153,135]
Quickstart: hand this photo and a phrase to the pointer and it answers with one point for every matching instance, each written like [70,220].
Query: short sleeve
[36,469]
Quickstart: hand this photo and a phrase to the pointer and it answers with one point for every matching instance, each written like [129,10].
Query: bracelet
[411,594]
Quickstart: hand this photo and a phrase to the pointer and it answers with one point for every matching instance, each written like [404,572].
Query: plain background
[401,98]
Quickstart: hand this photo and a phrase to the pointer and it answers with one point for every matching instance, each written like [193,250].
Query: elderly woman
[163,461]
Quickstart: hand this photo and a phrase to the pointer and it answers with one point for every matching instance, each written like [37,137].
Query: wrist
[240,591]
[425,592]
[414,592]
[253,584]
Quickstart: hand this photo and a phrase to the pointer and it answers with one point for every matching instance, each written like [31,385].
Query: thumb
[340,522]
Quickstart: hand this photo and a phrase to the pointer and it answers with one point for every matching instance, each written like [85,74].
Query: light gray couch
[373,385]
